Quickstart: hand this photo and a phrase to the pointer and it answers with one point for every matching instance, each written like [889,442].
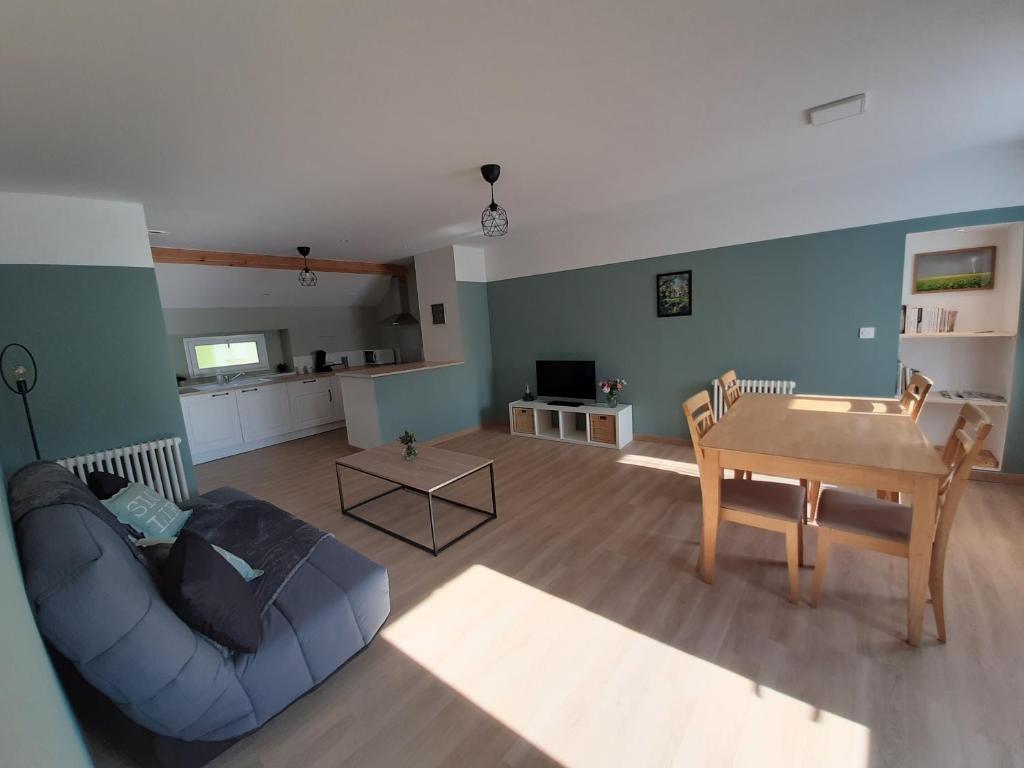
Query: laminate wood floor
[573,630]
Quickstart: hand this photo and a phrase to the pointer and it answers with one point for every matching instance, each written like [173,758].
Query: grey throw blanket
[263,535]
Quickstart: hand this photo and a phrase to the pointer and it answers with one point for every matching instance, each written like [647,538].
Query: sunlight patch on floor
[668,465]
[590,692]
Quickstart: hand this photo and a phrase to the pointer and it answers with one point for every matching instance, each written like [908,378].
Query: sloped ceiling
[185,286]
[358,127]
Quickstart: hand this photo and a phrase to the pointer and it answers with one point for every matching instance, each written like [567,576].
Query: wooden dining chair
[758,503]
[912,403]
[730,386]
[914,395]
[884,526]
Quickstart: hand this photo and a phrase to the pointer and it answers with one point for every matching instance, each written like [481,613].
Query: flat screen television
[567,378]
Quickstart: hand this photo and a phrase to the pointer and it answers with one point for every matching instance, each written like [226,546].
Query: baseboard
[663,439]
[453,435]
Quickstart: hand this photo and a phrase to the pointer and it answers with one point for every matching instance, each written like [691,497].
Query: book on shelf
[906,373]
[970,394]
[914,320]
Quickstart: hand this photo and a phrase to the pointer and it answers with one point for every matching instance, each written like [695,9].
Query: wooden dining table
[864,443]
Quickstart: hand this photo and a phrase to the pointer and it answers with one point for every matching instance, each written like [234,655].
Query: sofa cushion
[210,595]
[105,484]
[148,513]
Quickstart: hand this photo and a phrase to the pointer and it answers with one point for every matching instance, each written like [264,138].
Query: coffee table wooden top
[430,470]
[857,431]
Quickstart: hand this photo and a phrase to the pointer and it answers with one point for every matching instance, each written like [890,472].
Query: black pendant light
[307,277]
[494,219]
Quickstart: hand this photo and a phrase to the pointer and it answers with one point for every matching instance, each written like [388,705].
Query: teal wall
[36,727]
[787,309]
[98,337]
[445,400]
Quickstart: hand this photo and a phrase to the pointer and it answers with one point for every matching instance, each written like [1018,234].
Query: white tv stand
[588,424]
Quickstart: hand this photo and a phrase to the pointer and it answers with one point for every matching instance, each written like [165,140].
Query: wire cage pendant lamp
[307,277]
[494,219]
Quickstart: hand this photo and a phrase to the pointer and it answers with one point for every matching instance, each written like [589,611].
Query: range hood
[405,317]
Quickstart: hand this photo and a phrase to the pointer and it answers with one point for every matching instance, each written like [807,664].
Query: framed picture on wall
[674,294]
[964,269]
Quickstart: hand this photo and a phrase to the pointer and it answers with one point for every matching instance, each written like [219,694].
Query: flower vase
[410,452]
[612,399]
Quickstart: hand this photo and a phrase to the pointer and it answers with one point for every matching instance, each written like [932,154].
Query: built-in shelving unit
[979,355]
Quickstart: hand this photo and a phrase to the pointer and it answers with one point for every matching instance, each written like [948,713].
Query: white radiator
[763,386]
[156,464]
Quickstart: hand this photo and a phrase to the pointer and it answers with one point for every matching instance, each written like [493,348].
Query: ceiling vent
[851,106]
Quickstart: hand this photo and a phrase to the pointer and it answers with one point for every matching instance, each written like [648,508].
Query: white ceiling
[357,128]
[185,286]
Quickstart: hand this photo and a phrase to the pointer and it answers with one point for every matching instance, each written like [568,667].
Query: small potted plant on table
[408,439]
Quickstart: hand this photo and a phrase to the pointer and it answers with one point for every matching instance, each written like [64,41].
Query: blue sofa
[97,604]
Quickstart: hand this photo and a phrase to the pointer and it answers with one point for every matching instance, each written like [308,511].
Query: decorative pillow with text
[146,512]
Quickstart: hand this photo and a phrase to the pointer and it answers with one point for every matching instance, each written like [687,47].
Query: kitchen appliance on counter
[379,356]
[320,364]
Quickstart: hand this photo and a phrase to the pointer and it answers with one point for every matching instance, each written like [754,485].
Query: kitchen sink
[241,382]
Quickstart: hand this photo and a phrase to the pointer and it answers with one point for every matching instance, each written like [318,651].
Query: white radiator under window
[764,386]
[156,464]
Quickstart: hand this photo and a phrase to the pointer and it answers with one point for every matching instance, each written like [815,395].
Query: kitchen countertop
[355,372]
[270,379]
[376,371]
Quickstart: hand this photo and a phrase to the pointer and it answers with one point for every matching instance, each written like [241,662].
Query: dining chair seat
[856,513]
[761,497]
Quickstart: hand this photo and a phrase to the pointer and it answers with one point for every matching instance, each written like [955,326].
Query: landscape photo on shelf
[674,294]
[965,269]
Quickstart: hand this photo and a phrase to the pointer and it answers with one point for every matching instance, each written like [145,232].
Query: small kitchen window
[210,355]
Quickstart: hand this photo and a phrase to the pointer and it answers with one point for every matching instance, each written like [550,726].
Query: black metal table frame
[490,515]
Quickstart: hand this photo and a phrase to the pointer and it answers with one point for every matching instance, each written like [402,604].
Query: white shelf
[961,335]
[972,401]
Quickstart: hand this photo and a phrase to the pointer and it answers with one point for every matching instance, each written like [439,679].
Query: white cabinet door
[311,402]
[264,412]
[211,421]
[337,404]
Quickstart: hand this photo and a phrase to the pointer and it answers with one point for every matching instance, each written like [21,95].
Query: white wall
[435,284]
[962,181]
[992,310]
[47,229]
[470,264]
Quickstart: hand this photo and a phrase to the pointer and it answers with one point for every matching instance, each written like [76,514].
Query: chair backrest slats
[959,454]
[700,417]
[730,388]
[914,395]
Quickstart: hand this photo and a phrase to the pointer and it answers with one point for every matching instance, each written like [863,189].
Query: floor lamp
[18,368]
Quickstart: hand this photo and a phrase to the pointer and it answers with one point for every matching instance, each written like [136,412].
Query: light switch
[867,332]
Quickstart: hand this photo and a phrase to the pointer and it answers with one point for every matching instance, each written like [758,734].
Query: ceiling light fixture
[494,219]
[840,109]
[307,277]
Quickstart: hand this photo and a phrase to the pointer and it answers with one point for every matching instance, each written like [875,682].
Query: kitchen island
[381,401]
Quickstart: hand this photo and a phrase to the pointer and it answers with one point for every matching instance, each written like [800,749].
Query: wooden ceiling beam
[265,261]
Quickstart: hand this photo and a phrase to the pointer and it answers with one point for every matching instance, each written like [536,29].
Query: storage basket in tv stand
[588,424]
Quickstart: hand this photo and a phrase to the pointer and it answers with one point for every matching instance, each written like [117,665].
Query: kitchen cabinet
[223,423]
[312,402]
[264,412]
[211,421]
[337,404]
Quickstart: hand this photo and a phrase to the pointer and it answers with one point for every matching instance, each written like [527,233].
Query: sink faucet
[225,378]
